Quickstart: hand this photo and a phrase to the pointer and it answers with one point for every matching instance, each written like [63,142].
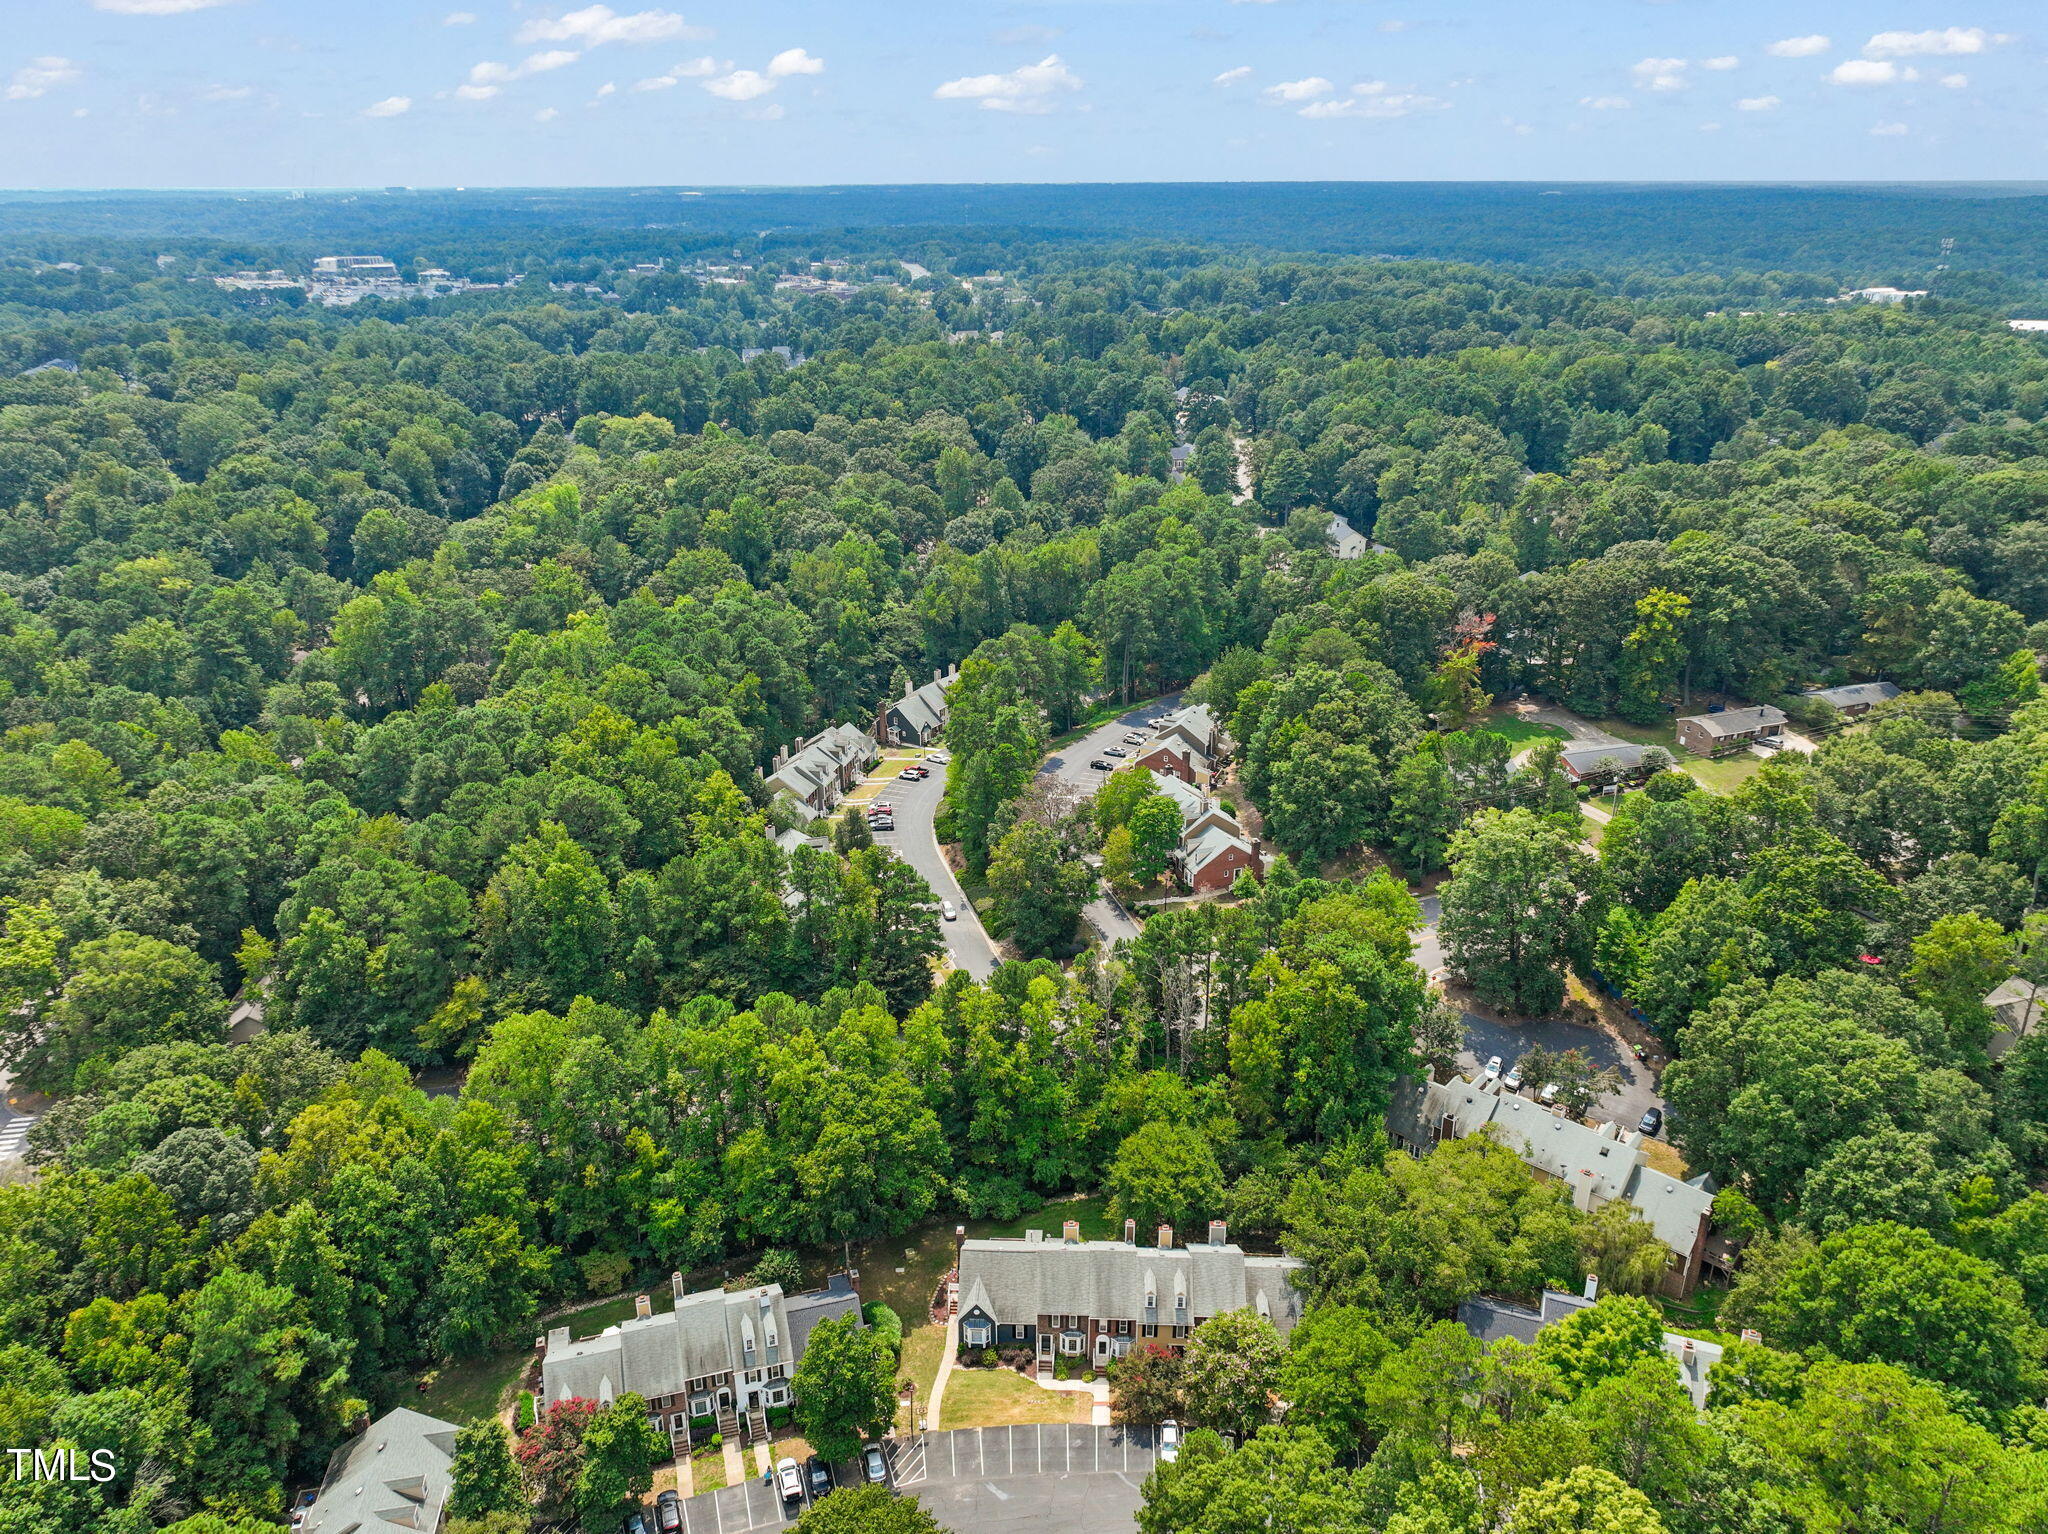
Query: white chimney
[1070,1232]
[643,1307]
[1165,1238]
[1219,1233]
[1592,1286]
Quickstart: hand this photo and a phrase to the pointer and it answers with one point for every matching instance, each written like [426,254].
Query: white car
[938,758]
[1492,1068]
[946,910]
[791,1482]
[1169,1441]
[1513,1080]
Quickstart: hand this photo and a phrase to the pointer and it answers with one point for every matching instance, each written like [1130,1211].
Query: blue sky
[144,93]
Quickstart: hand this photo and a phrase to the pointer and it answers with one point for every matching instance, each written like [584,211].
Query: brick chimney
[1130,1233]
[1165,1238]
[643,1307]
[1070,1232]
[1219,1233]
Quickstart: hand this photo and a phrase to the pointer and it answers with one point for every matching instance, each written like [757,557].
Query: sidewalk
[931,1419]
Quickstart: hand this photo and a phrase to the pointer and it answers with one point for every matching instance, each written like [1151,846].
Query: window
[977,1336]
[678,1421]
[1072,1343]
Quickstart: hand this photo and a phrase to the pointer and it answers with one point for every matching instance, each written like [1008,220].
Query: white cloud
[227,93]
[1027,88]
[547,114]
[690,69]
[1890,130]
[1757,104]
[1230,77]
[486,78]
[1372,99]
[596,25]
[1864,72]
[794,61]
[1659,74]
[605,90]
[656,83]
[1943,40]
[1725,61]
[1394,26]
[1800,47]
[740,85]
[390,106]
[459,19]
[1513,126]
[474,92]
[1298,90]
[40,76]
[1606,103]
[1710,127]
[1955,82]
[155,7]
[541,63]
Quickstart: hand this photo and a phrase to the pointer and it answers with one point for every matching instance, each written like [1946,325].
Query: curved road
[914,841]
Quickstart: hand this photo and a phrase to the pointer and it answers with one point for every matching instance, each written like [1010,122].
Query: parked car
[1549,1092]
[1134,739]
[668,1512]
[1492,1069]
[1101,766]
[820,1475]
[875,1463]
[790,1481]
[1653,1122]
[946,910]
[1513,1079]
[937,758]
[1169,1441]
[881,807]
[636,1522]
[913,774]
[1115,751]
[883,824]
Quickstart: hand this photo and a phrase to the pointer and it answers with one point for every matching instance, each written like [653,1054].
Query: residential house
[1621,761]
[1184,744]
[1346,541]
[1093,1300]
[1492,1320]
[392,1477]
[1598,1162]
[716,1354]
[819,772]
[1856,698]
[916,718]
[1705,734]
[1213,847]
[2016,1008]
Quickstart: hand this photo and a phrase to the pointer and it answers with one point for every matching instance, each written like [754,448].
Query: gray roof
[1346,541]
[394,1476]
[1855,694]
[1626,755]
[823,759]
[1206,848]
[924,708]
[1598,1163]
[1492,1320]
[1738,721]
[1015,1282]
[708,1333]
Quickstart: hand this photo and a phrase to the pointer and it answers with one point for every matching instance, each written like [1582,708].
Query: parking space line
[718,1513]
[1038,1444]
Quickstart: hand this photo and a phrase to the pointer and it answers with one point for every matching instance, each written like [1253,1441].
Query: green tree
[845,1388]
[1230,1370]
[620,1449]
[1651,655]
[124,991]
[1621,1248]
[867,1510]
[1154,827]
[482,1478]
[1602,1340]
[1040,889]
[1145,1386]
[1587,1501]
[1164,1174]
[1331,1354]
[1513,911]
[1284,1479]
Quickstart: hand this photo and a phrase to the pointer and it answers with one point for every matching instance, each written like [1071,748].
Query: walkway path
[946,1358]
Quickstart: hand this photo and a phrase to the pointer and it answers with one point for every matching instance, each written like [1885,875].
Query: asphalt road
[914,841]
[1070,765]
[1052,1479]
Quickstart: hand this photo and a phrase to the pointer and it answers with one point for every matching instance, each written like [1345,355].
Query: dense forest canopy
[412,666]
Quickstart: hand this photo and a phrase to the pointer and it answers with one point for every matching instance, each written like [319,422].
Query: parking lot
[1060,1478]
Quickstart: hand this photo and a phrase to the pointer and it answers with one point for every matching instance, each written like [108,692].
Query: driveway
[1486,1037]
[967,943]
[1052,1479]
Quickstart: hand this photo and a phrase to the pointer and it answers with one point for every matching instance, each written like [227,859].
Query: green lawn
[998,1397]
[1722,776]
[923,1348]
[1523,732]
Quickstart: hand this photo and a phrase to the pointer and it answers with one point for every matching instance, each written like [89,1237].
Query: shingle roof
[1627,755]
[658,1355]
[924,708]
[1855,694]
[1346,541]
[393,1477]
[1737,721]
[1015,1282]
[1206,848]
[1491,1320]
